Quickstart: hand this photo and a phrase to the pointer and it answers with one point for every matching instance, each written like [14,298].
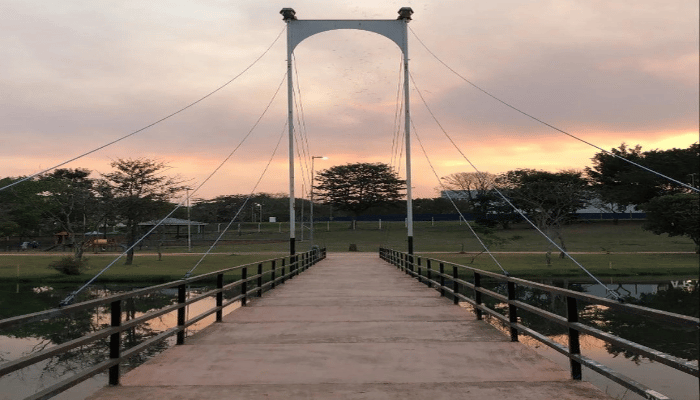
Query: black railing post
[455,285]
[477,295]
[429,272]
[272,276]
[220,297]
[419,269]
[244,285]
[512,312]
[181,298]
[114,341]
[574,344]
[442,279]
[260,279]
[284,269]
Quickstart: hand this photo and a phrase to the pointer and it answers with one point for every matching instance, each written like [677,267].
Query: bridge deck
[350,327]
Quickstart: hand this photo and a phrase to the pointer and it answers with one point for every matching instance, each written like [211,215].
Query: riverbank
[147,269]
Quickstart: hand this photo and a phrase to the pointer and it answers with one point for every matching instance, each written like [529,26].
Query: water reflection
[33,337]
[677,296]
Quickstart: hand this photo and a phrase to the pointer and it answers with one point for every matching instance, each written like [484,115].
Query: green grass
[146,268]
[441,240]
[636,267]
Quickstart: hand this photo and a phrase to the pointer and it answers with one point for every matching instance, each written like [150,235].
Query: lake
[680,296]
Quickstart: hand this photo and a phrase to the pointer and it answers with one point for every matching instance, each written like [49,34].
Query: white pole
[407,128]
[380,224]
[290,108]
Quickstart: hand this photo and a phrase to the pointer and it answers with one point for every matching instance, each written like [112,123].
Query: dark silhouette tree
[620,184]
[139,192]
[675,215]
[549,198]
[360,186]
[69,202]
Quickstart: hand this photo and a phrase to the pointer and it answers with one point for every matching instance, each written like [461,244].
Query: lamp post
[312,195]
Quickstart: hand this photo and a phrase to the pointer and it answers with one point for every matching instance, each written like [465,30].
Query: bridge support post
[429,272]
[477,295]
[114,341]
[220,297]
[260,279]
[512,312]
[272,276]
[574,344]
[244,285]
[455,285]
[181,298]
[442,279]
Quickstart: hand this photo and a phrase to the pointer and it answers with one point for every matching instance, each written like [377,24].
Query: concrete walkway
[351,327]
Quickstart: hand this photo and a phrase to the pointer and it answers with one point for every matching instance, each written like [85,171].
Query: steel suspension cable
[425,153]
[149,125]
[550,125]
[70,297]
[274,152]
[566,253]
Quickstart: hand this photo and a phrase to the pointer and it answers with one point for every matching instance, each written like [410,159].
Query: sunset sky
[76,75]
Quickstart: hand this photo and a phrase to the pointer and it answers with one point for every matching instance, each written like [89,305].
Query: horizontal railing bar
[617,377]
[674,362]
[492,294]
[542,313]
[55,350]
[53,390]
[631,308]
[233,300]
[57,312]
[593,365]
[201,316]
[294,268]
[132,351]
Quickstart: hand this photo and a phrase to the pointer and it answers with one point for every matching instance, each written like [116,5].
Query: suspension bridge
[351,326]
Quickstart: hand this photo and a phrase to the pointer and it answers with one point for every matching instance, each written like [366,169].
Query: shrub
[69,265]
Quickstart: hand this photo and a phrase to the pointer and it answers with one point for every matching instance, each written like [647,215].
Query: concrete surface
[351,327]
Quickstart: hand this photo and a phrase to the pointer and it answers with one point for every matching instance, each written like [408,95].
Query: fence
[265,276]
[449,279]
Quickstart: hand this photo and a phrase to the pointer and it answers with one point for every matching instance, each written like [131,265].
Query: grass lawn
[620,251]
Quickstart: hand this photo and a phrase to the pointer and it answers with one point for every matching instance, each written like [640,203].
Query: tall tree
[675,215]
[20,208]
[550,198]
[139,192]
[70,202]
[359,186]
[621,184]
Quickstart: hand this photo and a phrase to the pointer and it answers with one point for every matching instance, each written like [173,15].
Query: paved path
[351,327]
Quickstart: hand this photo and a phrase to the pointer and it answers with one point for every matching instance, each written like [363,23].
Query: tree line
[137,190]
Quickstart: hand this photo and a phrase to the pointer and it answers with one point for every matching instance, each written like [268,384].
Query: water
[29,338]
[680,296]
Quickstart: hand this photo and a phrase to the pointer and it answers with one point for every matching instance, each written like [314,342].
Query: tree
[360,186]
[139,192]
[675,215]
[20,208]
[621,184]
[70,202]
[549,198]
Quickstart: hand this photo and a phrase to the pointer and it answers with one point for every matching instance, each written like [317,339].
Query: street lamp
[312,195]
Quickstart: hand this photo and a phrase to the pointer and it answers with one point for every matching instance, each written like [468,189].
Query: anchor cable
[149,125]
[550,125]
[71,296]
[609,291]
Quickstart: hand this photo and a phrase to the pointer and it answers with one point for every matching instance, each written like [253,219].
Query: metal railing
[449,279]
[278,271]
